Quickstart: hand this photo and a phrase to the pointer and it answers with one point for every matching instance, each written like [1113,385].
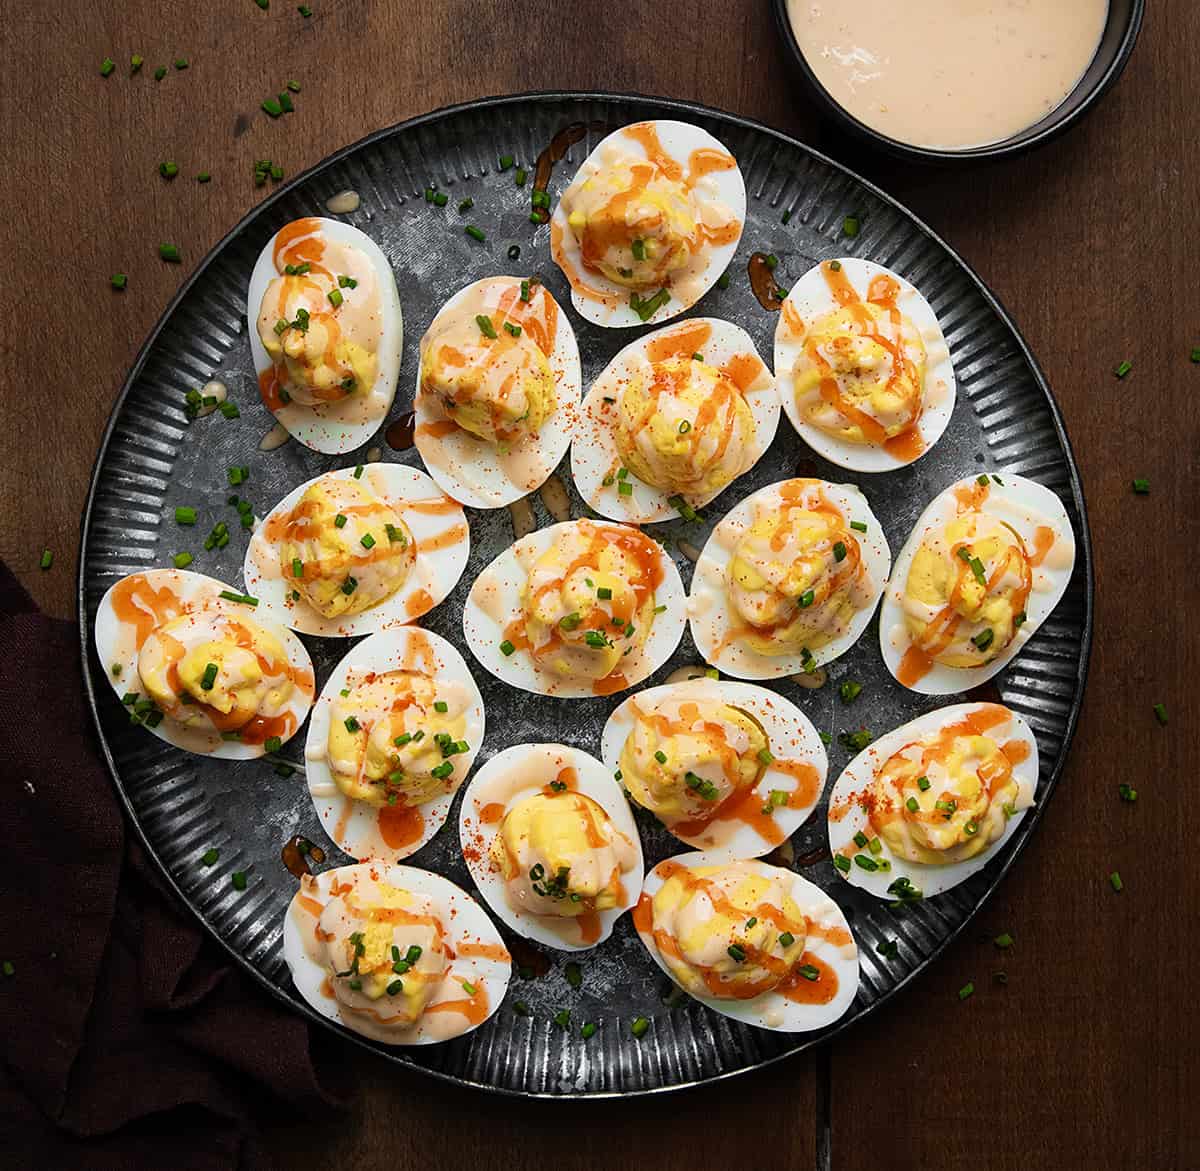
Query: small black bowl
[1120,35]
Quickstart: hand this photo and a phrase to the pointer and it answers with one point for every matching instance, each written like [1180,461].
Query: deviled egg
[727,767]
[788,580]
[986,563]
[675,417]
[863,366]
[327,332]
[397,954]
[199,666]
[497,391]
[754,942]
[926,806]
[358,550]
[581,608]
[551,844]
[392,737]
[650,221]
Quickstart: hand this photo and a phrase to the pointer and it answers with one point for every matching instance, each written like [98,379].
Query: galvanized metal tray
[152,459]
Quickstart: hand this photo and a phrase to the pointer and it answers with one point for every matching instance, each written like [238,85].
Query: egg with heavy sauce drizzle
[930,803]
[196,663]
[985,564]
[551,844]
[864,369]
[754,942]
[648,224]
[582,608]
[358,550]
[497,391]
[726,767]
[674,419]
[392,737]
[788,580]
[394,953]
[326,332]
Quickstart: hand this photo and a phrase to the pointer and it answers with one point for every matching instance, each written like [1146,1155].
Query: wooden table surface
[1087,1058]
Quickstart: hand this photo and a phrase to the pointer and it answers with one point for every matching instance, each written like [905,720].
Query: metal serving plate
[152,459]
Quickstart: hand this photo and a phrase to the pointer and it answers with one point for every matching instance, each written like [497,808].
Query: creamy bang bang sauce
[952,74]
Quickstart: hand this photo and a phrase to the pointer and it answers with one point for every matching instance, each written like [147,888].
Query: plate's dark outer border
[676,108]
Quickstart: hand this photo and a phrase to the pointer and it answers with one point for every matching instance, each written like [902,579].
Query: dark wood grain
[1086,1058]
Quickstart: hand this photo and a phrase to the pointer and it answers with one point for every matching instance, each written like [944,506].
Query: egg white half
[709,609]
[495,601]
[508,778]
[350,422]
[464,920]
[846,816]
[1023,505]
[354,825]
[439,528]
[773,1010]
[609,303]
[468,468]
[791,738]
[117,647]
[594,453]
[810,299]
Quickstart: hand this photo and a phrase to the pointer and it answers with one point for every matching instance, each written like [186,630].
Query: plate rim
[673,106]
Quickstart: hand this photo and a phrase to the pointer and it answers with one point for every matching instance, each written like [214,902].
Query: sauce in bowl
[948,74]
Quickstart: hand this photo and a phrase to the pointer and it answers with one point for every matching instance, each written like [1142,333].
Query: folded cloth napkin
[128,1038]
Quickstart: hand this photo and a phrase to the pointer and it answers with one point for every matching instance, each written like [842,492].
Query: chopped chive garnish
[1141,487]
[736,952]
[1127,792]
[978,570]
[646,307]
[588,1031]
[180,62]
[787,938]
[860,839]
[168,170]
[475,233]
[966,990]
[238,878]
[842,862]
[352,725]
[911,805]
[865,862]
[889,949]
[849,690]
[723,280]
[466,205]
[272,107]
[507,648]
[639,249]
[809,972]
[858,526]
[806,599]
[787,215]
[923,784]
[1003,941]
[660,756]
[764,756]
[469,988]
[273,743]
[47,559]
[441,705]
[335,298]
[506,161]
[169,253]
[244,599]
[339,521]
[1195,354]
[349,586]
[771,261]
[604,593]
[209,677]
[1115,881]
[850,226]
[107,66]
[1123,369]
[118,280]
[485,325]
[984,639]
[210,856]
[839,551]
[562,1018]
[185,515]
[639,1026]
[971,828]
[574,974]
[512,328]
[1160,712]
[524,290]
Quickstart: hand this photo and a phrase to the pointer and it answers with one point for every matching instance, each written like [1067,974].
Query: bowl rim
[1005,148]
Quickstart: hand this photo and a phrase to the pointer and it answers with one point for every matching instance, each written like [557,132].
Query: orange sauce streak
[589,927]
[438,429]
[136,603]
[446,539]
[474,1008]
[705,161]
[679,343]
[270,389]
[327,988]
[743,370]
[339,830]
[492,813]
[1043,542]
[610,684]
[488,951]
[971,496]
[643,914]
[578,284]
[646,135]
[300,242]
[1016,751]
[433,506]
[819,991]
[400,825]
[310,905]
[420,602]
[914,666]
[568,776]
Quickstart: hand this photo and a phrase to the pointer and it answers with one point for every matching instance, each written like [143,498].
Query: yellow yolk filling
[685,428]
[709,750]
[340,574]
[367,763]
[497,388]
[972,578]
[704,919]
[860,378]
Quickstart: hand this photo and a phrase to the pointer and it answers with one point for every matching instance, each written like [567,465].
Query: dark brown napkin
[128,1038]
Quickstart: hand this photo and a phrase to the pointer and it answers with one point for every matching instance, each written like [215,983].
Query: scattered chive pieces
[787,939]
[238,878]
[294,86]
[771,261]
[272,107]
[787,215]
[1141,487]
[850,226]
[809,972]
[660,756]
[765,757]
[180,62]
[982,481]
[588,1031]
[185,515]
[107,66]
[210,856]
[506,161]
[839,551]
[923,784]
[368,541]
[984,639]
[911,805]
[441,706]
[736,952]
[574,975]
[806,599]
[507,648]
[860,839]
[562,1018]
[358,471]
[1160,713]
[1123,369]
[203,177]
[858,526]
[47,559]
[136,62]
[285,102]
[639,1026]
[1003,941]
[521,1008]
[160,73]
[229,410]
[245,599]
[469,988]
[1115,879]
[441,199]
[835,265]
[485,325]
[512,328]
[335,297]
[1127,792]
[182,560]
[520,177]
[1195,355]
[168,170]
[273,743]
[475,233]
[865,863]
[842,863]
[118,280]
[889,949]
[339,521]
[849,690]
[966,990]
[723,280]
[169,252]
[304,11]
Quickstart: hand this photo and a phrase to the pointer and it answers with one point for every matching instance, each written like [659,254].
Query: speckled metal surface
[153,459]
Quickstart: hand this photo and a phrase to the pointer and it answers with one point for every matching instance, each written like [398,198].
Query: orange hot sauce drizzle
[400,825]
[474,1006]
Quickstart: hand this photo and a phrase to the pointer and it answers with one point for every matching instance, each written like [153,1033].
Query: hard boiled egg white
[1030,510]
[494,605]
[829,941]
[715,628]
[823,290]
[595,458]
[137,607]
[372,308]
[480,957]
[505,781]
[850,802]
[473,470]
[391,832]
[751,823]
[695,179]
[439,529]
